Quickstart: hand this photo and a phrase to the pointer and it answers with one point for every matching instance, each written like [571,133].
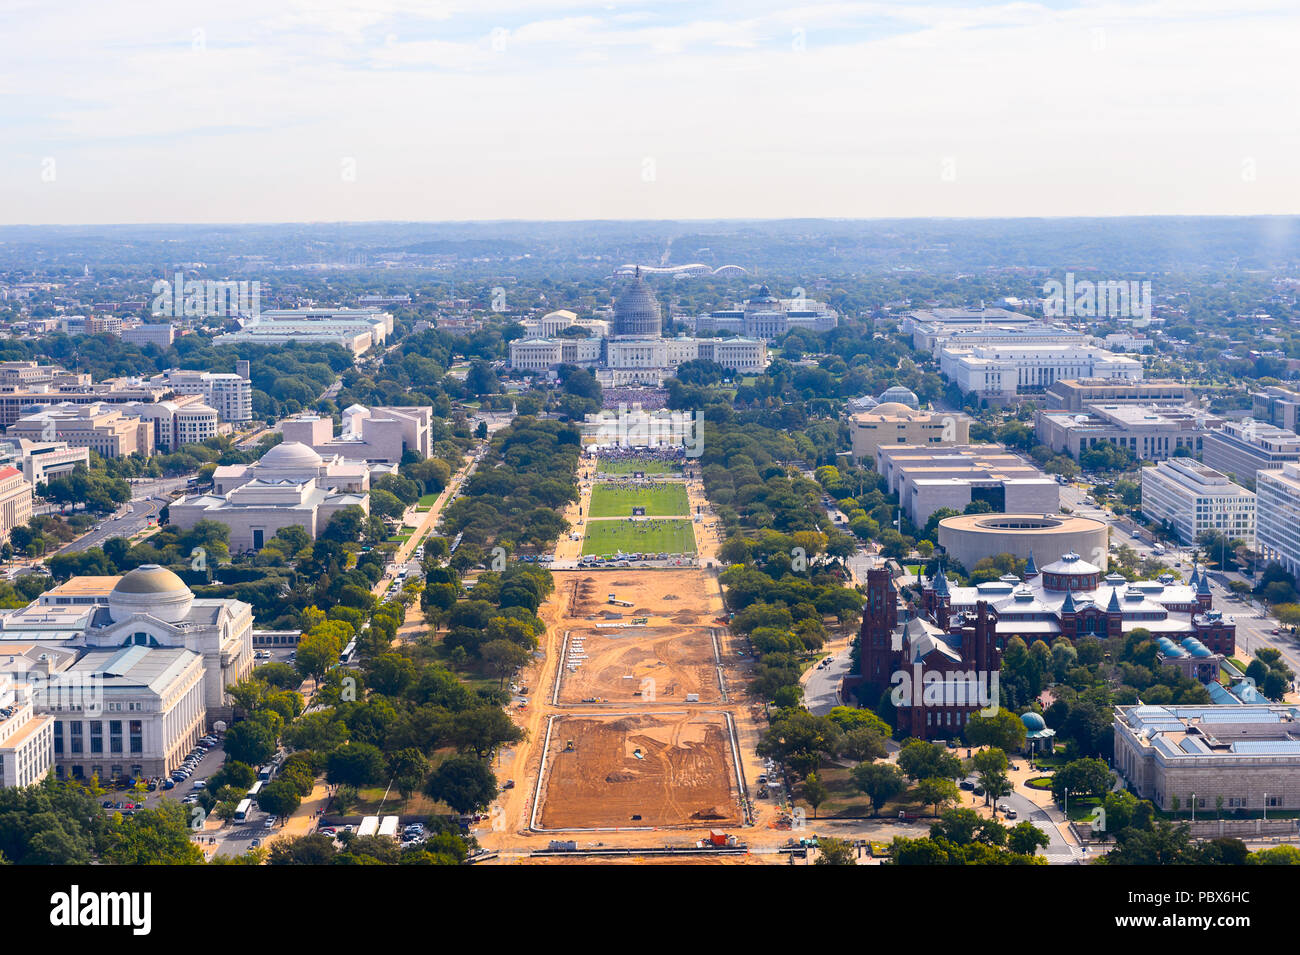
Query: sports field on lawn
[638,537]
[659,500]
[629,467]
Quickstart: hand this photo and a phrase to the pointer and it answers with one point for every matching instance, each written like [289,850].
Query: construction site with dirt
[639,733]
[653,638]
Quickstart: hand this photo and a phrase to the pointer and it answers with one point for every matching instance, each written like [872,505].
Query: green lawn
[659,500]
[372,802]
[427,501]
[607,538]
[628,467]
[846,800]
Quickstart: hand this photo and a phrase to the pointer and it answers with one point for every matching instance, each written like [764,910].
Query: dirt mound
[684,618]
[621,778]
[714,813]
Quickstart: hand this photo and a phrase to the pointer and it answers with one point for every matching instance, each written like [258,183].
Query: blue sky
[398,109]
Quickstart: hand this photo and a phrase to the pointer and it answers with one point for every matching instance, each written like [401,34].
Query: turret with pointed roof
[1069,620]
[1204,597]
[1203,586]
[1031,568]
[940,581]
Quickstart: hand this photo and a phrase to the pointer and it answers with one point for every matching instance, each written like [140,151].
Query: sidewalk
[303,822]
[426,521]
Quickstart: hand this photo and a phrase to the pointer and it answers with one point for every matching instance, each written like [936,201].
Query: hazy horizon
[661,220]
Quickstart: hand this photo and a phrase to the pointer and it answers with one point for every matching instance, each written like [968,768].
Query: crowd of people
[650,399]
[668,455]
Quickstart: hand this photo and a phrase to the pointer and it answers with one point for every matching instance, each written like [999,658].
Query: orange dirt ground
[684,777]
[702,859]
[668,594]
[641,665]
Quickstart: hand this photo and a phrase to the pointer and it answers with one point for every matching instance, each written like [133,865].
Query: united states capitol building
[632,349]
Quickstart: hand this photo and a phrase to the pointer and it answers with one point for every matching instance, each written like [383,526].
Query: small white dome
[290,455]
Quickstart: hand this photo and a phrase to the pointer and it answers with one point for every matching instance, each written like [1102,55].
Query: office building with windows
[1277,517]
[1077,395]
[1000,374]
[1244,448]
[26,738]
[1191,498]
[1150,432]
[1278,406]
[106,430]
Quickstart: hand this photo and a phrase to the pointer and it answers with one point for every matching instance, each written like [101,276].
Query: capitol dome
[636,313]
[153,590]
[901,395]
[290,456]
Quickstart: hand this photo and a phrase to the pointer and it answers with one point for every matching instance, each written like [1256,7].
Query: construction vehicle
[613,598]
[568,746]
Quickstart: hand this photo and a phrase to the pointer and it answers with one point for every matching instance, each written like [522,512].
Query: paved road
[428,521]
[1058,851]
[821,693]
[131,519]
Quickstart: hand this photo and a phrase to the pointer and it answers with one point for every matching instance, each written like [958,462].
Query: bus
[348,652]
[254,790]
[243,809]
[264,774]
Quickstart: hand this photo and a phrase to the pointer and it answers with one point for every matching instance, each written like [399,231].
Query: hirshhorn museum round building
[969,538]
